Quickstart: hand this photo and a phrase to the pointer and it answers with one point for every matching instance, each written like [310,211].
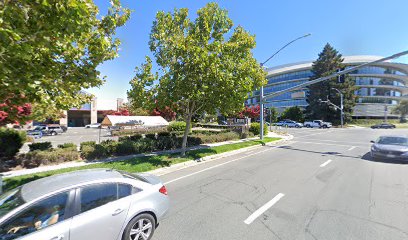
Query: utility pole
[385,113]
[261,95]
[341,107]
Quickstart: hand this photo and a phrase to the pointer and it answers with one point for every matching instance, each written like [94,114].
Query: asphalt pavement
[320,185]
[74,135]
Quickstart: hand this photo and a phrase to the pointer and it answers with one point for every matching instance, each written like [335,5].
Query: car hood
[386,147]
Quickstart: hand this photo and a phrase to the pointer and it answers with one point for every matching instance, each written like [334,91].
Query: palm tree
[402,109]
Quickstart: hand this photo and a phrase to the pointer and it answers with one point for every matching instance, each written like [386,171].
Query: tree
[14,114]
[294,113]
[50,50]
[402,109]
[166,112]
[272,114]
[250,112]
[205,64]
[120,112]
[328,62]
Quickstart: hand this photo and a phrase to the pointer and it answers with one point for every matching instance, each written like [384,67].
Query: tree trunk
[186,132]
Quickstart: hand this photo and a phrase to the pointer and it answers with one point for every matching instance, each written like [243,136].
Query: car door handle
[60,237]
[117,211]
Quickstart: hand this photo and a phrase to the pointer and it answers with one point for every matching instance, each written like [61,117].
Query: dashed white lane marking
[263,209]
[222,164]
[351,148]
[325,163]
[329,144]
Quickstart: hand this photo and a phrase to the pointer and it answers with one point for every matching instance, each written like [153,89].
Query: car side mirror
[372,141]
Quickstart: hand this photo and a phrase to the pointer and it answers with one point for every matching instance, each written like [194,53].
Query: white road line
[351,148]
[221,164]
[262,209]
[316,133]
[325,163]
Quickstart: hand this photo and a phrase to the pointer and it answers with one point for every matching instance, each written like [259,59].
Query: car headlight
[374,148]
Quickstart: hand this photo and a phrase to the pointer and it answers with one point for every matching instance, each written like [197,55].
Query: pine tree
[328,62]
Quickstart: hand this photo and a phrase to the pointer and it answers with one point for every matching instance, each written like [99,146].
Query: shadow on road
[368,157]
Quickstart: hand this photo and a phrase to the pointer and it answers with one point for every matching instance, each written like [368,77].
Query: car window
[10,200]
[393,141]
[96,195]
[38,216]
[124,190]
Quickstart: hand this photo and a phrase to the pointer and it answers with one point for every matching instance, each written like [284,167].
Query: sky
[353,27]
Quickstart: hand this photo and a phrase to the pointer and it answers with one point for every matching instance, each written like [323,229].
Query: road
[320,185]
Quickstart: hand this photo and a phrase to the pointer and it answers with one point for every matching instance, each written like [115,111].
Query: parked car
[318,124]
[383,125]
[89,204]
[290,123]
[52,129]
[390,147]
[93,125]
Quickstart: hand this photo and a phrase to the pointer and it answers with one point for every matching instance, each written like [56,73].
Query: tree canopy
[50,50]
[204,64]
[294,113]
[402,109]
[328,62]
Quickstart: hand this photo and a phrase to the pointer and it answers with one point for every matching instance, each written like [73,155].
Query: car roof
[397,136]
[44,186]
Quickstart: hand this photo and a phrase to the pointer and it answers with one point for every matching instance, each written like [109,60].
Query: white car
[101,204]
[93,125]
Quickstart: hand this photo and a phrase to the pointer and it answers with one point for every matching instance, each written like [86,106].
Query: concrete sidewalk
[121,158]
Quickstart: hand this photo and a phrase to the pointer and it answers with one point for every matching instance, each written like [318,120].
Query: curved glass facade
[371,90]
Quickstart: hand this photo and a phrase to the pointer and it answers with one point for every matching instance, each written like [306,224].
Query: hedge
[89,143]
[10,142]
[54,156]
[177,126]
[40,146]
[68,145]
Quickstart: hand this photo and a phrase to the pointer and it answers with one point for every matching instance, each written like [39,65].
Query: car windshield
[10,200]
[401,141]
[38,128]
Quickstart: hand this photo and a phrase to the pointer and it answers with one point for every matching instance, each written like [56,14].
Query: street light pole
[261,97]
[341,107]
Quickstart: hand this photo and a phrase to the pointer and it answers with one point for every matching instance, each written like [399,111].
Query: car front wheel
[140,227]
[53,133]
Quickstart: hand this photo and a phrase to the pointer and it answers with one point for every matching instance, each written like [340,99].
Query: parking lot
[75,135]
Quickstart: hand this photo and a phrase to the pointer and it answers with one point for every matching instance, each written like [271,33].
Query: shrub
[10,142]
[256,128]
[40,146]
[90,152]
[177,126]
[89,143]
[109,146]
[68,145]
[163,134]
[126,148]
[54,156]
[165,142]
[124,138]
[151,136]
[135,137]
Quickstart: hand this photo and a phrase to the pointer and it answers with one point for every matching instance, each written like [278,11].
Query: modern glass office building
[379,85]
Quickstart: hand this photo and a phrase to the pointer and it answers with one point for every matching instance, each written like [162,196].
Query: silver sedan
[90,204]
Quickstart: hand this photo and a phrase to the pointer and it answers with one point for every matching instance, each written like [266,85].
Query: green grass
[140,164]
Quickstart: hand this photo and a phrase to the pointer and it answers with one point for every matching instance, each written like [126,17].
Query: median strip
[141,164]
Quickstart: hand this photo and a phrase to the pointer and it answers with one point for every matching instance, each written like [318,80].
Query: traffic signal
[341,78]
